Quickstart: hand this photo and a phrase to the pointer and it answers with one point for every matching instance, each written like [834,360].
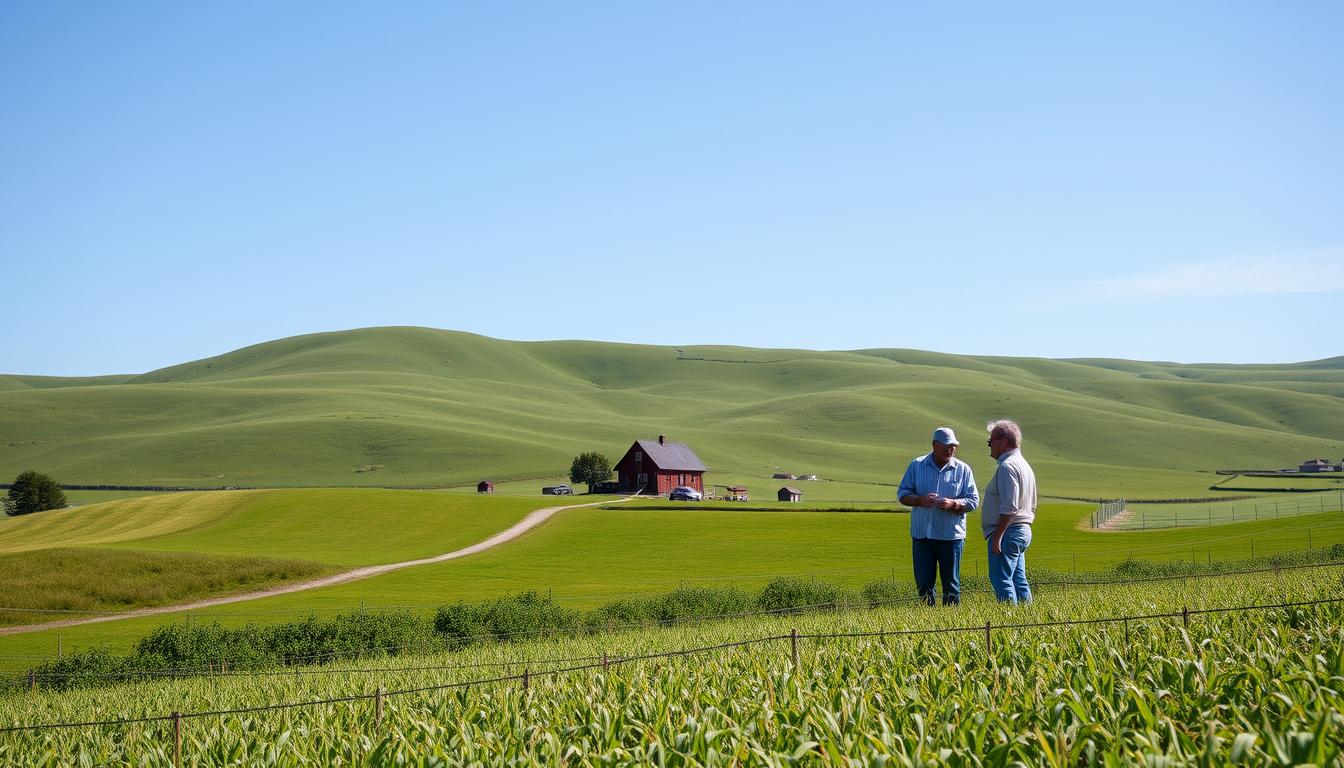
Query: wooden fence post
[378,707]
[988,647]
[525,680]
[1185,617]
[177,739]
[604,661]
[793,643]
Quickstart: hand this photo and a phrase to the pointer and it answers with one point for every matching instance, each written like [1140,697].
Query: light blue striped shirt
[954,481]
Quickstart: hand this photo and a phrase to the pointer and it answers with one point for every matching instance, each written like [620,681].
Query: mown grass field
[1246,687]
[416,406]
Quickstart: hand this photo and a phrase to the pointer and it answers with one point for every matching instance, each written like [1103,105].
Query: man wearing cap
[940,489]
[1010,509]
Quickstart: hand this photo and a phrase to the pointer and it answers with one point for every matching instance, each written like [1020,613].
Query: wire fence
[526,678]
[1133,516]
[1106,512]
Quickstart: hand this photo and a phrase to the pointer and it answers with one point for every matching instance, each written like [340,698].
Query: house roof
[792,490]
[678,456]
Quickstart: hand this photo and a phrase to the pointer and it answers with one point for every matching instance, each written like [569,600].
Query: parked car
[684,493]
[557,490]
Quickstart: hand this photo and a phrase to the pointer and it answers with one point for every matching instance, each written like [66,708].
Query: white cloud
[1309,272]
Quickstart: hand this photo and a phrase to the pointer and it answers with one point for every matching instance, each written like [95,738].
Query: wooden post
[793,643]
[1185,617]
[1126,631]
[988,647]
[604,661]
[378,707]
[525,680]
[177,740]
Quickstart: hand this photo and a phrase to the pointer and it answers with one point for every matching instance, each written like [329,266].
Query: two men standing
[940,489]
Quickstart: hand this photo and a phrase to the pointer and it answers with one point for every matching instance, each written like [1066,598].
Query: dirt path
[508,534]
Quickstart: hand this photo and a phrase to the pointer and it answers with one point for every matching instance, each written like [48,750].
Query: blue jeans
[932,556]
[1008,571]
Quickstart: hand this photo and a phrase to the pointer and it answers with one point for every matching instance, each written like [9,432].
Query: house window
[682,480]
[639,456]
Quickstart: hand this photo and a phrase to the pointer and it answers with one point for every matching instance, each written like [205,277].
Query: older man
[940,489]
[1010,509]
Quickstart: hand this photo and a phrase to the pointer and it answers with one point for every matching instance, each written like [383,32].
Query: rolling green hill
[423,407]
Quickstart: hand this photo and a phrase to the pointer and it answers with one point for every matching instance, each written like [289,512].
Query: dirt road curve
[518,529]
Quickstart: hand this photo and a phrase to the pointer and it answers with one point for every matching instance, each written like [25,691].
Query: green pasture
[347,527]
[48,584]
[423,407]
[588,556]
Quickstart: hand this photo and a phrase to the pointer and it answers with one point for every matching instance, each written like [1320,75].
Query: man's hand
[951,505]
[998,543]
[931,500]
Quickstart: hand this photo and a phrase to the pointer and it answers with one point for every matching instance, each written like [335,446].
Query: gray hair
[1008,429]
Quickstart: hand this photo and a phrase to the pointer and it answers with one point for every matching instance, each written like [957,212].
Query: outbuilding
[1315,465]
[735,493]
[485,486]
[788,493]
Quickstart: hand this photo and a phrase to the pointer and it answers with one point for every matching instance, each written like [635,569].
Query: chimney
[660,439]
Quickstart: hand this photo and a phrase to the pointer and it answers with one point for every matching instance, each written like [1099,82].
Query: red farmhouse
[658,467]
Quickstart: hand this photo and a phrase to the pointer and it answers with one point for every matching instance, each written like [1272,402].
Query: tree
[33,492]
[591,468]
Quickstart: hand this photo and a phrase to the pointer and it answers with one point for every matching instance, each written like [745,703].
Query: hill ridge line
[532,520]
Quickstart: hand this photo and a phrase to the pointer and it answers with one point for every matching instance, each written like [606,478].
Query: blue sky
[1156,181]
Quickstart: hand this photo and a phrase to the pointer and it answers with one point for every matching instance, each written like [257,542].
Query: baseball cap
[945,435]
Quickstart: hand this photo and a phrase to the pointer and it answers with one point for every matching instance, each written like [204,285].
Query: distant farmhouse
[789,493]
[1316,465]
[656,467]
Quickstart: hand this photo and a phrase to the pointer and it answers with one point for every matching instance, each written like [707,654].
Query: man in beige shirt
[1007,513]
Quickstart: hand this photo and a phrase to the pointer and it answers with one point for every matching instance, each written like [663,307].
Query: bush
[503,619]
[887,591]
[681,604]
[790,595]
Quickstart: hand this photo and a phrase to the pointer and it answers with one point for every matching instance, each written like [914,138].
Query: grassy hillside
[416,406]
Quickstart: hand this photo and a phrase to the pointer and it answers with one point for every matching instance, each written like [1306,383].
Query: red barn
[658,467]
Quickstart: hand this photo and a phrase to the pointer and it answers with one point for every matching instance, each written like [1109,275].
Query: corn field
[1260,686]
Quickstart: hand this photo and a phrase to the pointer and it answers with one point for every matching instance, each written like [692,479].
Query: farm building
[485,486]
[656,467]
[788,493]
[782,476]
[735,493]
[1315,465]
